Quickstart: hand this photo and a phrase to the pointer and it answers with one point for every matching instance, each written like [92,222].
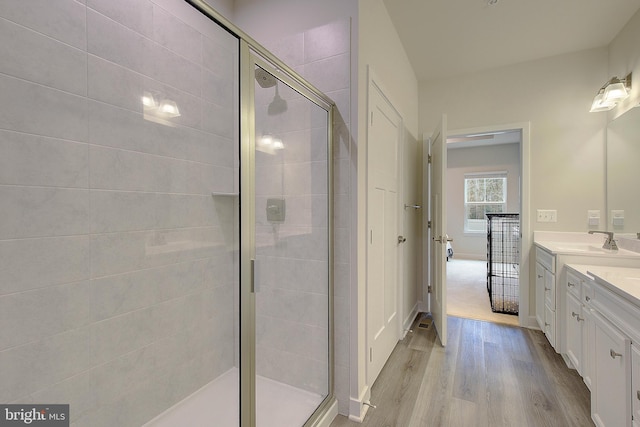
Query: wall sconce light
[169,108]
[612,92]
[269,144]
[158,105]
[149,101]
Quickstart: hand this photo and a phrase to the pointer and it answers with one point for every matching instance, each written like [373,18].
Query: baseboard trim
[532,323]
[357,408]
[408,321]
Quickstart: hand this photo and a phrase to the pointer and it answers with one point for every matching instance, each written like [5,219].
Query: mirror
[623,172]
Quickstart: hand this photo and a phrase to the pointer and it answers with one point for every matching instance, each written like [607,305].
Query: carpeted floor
[467,292]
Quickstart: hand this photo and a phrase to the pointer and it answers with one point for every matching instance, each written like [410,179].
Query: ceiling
[454,37]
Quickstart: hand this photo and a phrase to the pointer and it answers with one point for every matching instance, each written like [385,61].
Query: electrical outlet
[547,215]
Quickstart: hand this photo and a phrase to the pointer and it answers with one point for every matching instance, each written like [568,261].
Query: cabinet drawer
[574,285]
[546,259]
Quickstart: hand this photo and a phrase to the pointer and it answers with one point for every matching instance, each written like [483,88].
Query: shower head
[278,105]
[264,78]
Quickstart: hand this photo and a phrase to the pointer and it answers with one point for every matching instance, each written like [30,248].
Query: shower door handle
[253,276]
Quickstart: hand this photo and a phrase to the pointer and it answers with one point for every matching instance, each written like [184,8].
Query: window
[483,193]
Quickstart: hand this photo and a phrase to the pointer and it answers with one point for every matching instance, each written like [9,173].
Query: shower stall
[166,195]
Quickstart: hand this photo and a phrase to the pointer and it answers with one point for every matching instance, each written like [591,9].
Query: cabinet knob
[614,354]
[539,276]
[587,298]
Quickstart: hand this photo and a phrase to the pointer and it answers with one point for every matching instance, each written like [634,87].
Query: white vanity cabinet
[546,294]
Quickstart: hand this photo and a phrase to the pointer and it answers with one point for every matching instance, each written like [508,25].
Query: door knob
[401,239]
[614,354]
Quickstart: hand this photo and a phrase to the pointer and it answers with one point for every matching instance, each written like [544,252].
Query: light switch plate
[547,215]
[617,218]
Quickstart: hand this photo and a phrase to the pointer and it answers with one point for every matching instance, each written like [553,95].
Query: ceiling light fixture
[612,92]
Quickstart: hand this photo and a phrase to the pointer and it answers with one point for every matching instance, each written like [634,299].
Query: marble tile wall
[118,266]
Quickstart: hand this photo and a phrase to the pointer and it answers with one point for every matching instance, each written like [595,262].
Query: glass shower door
[292,252]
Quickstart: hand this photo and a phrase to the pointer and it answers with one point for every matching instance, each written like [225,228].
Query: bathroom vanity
[588,305]
[603,339]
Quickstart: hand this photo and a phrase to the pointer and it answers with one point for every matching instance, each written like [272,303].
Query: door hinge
[429,158]
[370,354]
[429,289]
[372,118]
[428,224]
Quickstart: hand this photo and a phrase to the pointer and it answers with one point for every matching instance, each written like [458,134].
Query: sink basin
[584,247]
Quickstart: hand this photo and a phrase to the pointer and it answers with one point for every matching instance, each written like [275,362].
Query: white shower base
[216,404]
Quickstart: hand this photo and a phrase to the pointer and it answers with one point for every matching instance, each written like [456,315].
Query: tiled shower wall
[118,266]
[322,55]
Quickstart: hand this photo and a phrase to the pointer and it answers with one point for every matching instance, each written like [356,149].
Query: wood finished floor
[489,375]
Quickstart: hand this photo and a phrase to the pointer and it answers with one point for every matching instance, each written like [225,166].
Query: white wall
[461,161]
[567,142]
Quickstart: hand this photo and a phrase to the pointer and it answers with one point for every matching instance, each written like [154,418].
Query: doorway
[484,175]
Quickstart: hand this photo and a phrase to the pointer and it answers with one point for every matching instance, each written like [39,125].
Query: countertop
[624,281]
[584,248]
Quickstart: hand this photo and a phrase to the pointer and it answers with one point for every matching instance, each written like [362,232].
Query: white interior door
[438,249]
[383,317]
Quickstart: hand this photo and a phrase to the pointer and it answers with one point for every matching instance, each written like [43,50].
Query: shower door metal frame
[252,54]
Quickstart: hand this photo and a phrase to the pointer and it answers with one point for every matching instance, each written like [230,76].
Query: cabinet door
[588,346]
[550,289]
[574,320]
[611,405]
[635,384]
[540,295]
[550,325]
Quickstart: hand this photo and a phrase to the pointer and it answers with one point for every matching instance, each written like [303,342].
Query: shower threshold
[216,404]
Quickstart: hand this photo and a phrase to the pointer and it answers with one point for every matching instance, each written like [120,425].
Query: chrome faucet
[609,243]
